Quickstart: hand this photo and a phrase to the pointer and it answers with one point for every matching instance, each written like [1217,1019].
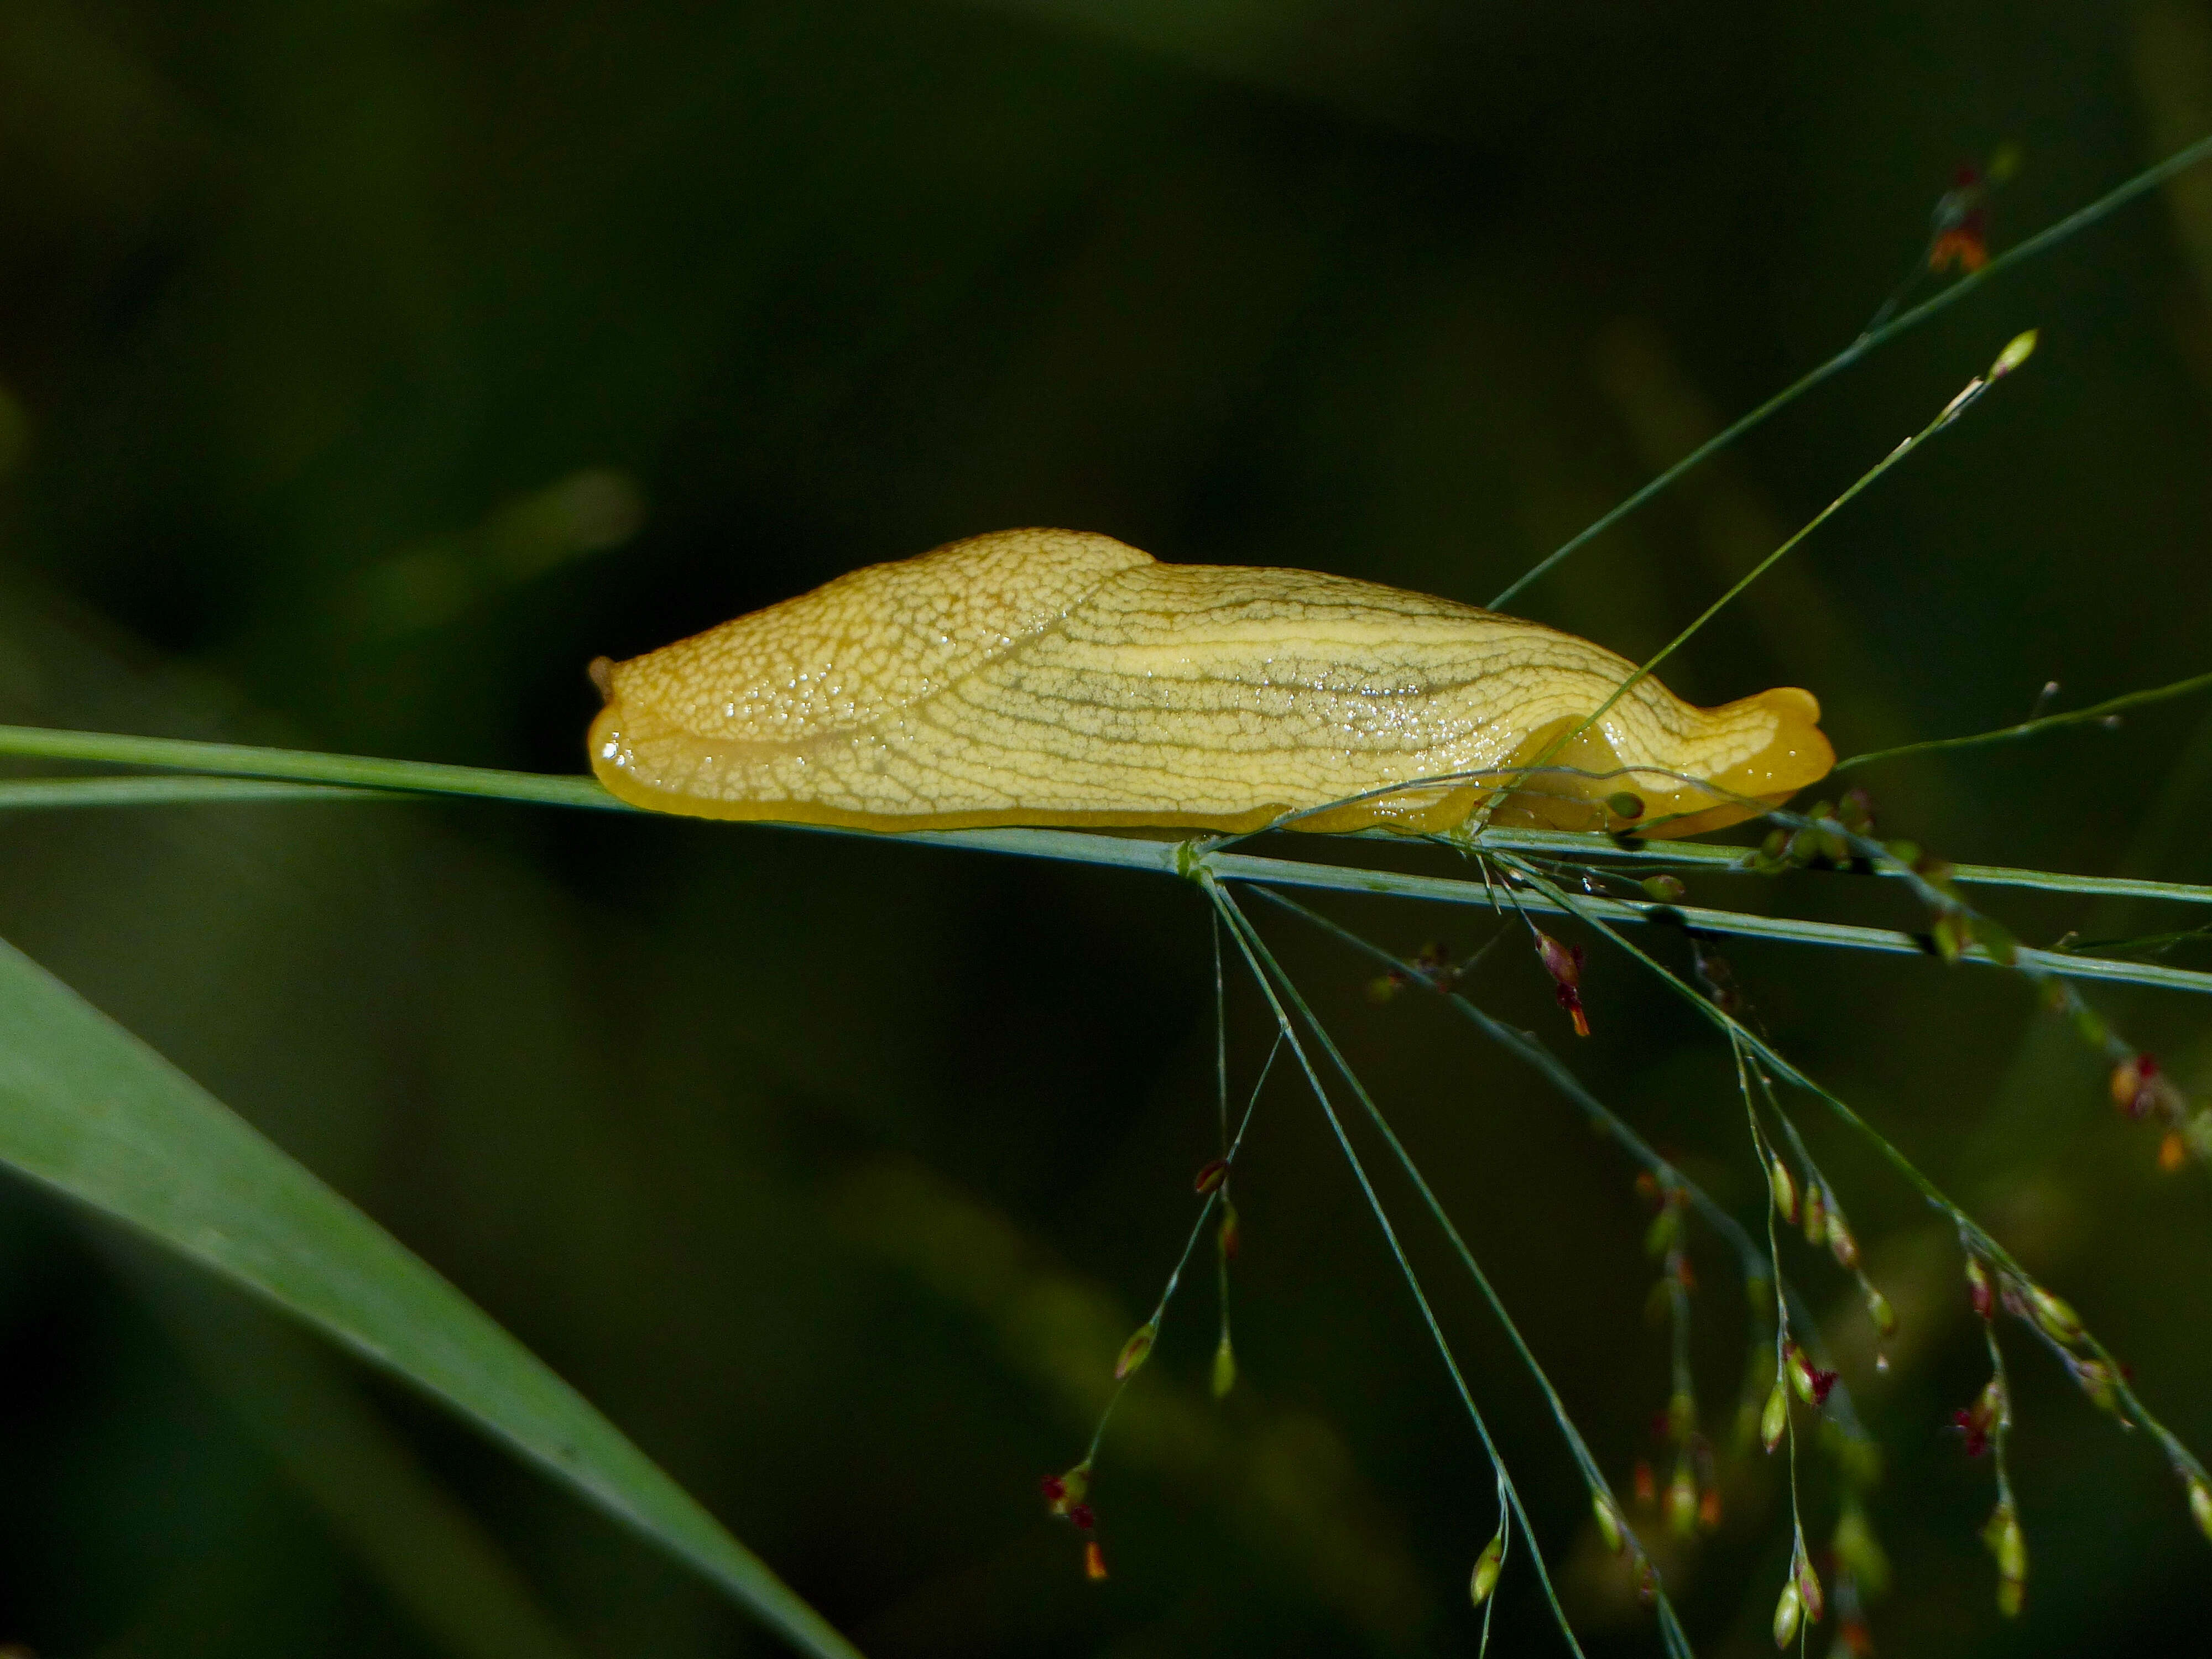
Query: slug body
[1045,676]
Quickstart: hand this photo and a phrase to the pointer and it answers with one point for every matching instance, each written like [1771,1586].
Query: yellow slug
[1046,676]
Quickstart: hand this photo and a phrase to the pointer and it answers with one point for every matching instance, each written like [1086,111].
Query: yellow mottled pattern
[1046,676]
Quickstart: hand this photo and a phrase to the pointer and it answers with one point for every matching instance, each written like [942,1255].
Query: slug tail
[1798,754]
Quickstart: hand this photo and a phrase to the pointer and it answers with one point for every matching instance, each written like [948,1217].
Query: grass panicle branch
[1750,1256]
[2137,186]
[1255,952]
[2106,713]
[2010,360]
[1979,1240]
[1607,1505]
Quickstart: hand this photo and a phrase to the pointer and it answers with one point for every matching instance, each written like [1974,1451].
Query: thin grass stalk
[364,774]
[1751,1257]
[1599,1488]
[2140,184]
[1978,1237]
[1240,931]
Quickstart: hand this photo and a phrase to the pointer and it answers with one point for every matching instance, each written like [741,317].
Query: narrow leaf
[87,1108]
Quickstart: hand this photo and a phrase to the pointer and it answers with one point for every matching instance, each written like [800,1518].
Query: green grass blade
[306,773]
[89,1110]
[220,763]
[48,795]
[240,760]
[429,1555]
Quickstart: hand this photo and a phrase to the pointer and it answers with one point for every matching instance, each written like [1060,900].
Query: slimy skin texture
[1046,677]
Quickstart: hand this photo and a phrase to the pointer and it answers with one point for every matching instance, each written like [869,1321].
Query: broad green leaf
[90,1110]
[433,1561]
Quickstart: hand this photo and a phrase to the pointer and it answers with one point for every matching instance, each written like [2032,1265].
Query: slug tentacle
[1046,676]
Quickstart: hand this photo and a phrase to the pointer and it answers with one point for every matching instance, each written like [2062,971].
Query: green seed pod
[1857,1552]
[2059,1321]
[2006,1542]
[1954,933]
[1774,1421]
[1787,1613]
[1879,1311]
[1488,1566]
[2018,352]
[2000,945]
[1799,1371]
[1135,1351]
[1841,1244]
[1681,1416]
[2096,1379]
[1785,1190]
[1609,1522]
[1809,1590]
[1682,1501]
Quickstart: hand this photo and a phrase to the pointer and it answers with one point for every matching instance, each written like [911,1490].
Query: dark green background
[365,370]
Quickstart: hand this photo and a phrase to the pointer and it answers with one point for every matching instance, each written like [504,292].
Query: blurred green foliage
[366,369]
